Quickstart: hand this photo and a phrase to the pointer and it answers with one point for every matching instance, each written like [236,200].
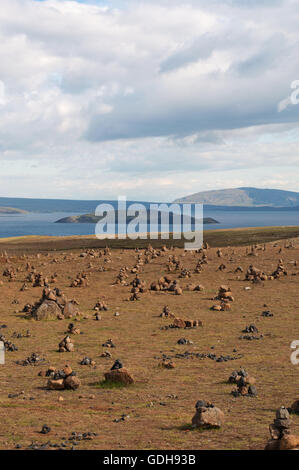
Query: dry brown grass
[139,339]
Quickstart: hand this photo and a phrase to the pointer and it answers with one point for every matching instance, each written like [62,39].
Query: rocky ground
[183,326]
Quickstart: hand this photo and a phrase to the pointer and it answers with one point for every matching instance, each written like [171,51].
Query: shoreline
[215,238]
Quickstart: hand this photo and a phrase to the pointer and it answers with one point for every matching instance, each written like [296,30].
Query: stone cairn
[80,281]
[252,252]
[87,361]
[122,276]
[8,345]
[137,267]
[252,331]
[280,432]
[119,374]
[280,270]
[52,305]
[199,267]
[256,275]
[167,285]
[166,313]
[62,379]
[108,344]
[37,279]
[178,322]
[66,345]
[97,316]
[225,296]
[195,287]
[73,330]
[200,263]
[185,274]
[33,360]
[162,284]
[10,273]
[207,416]
[244,382]
[221,267]
[173,264]
[239,269]
[167,364]
[100,306]
[27,334]
[138,287]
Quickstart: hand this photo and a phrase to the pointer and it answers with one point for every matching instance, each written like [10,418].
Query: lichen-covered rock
[119,376]
[208,417]
[71,309]
[48,310]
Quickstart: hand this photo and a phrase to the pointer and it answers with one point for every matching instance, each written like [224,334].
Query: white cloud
[96,98]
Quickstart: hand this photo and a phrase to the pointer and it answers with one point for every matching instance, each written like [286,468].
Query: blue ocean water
[36,223]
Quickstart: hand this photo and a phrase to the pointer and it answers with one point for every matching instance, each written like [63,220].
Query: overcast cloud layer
[149,99]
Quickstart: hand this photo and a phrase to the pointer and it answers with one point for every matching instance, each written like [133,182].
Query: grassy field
[160,403]
[215,238]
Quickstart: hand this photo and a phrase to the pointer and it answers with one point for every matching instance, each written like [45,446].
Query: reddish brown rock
[72,382]
[295,407]
[55,384]
[71,310]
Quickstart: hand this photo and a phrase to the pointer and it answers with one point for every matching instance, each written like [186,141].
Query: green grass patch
[107,384]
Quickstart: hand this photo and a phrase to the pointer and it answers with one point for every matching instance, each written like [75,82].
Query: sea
[43,222]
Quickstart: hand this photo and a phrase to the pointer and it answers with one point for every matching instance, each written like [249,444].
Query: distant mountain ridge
[11,210]
[244,197]
[226,199]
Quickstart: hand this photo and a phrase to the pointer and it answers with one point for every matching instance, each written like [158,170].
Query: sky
[153,100]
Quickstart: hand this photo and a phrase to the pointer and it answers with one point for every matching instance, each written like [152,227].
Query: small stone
[45,429]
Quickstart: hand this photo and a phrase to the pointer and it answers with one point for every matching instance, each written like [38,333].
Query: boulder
[48,310]
[119,376]
[72,382]
[288,442]
[70,310]
[208,417]
[295,407]
[55,384]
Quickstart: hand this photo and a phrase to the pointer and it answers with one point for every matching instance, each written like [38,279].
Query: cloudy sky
[152,99]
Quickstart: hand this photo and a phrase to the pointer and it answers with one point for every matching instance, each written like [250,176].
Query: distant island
[244,197]
[12,210]
[93,219]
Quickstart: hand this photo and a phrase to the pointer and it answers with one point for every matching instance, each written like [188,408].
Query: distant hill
[244,197]
[93,219]
[58,205]
[11,210]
